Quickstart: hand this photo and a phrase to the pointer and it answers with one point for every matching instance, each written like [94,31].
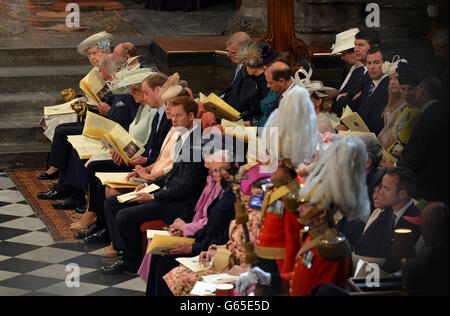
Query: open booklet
[118,180]
[93,85]
[112,135]
[132,195]
[193,263]
[160,245]
[239,130]
[219,107]
[353,121]
[87,147]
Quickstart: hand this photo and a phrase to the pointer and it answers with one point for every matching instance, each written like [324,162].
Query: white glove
[258,276]
[252,276]
[243,283]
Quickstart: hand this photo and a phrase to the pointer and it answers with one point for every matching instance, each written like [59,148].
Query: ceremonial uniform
[325,257]
[277,241]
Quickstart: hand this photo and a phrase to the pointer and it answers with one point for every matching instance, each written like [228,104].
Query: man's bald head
[278,77]
[125,50]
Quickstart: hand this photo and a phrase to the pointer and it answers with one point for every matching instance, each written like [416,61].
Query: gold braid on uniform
[80,107]
[69,94]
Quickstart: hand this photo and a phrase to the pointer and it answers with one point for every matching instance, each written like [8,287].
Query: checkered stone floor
[32,264]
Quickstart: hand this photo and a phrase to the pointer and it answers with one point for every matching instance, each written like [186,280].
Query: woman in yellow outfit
[406,119]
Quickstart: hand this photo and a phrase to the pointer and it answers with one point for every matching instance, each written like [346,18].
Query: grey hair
[373,148]
[240,38]
[112,63]
[324,124]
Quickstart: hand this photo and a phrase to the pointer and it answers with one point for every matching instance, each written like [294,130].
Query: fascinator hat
[313,86]
[256,54]
[101,40]
[390,68]
[338,182]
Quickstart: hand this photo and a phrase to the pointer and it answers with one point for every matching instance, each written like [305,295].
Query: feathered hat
[127,75]
[313,86]
[291,130]
[256,54]
[339,179]
[390,68]
[101,40]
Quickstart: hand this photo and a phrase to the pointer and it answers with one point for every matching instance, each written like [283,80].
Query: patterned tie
[152,134]
[372,88]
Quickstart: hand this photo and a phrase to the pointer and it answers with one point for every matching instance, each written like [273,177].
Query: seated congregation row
[158,106]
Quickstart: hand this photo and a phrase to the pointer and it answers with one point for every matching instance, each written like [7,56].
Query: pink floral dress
[181,280]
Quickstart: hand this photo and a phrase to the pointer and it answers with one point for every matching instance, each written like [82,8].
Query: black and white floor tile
[32,264]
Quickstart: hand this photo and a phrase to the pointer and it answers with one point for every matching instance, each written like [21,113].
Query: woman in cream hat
[321,95]
[96,47]
[396,102]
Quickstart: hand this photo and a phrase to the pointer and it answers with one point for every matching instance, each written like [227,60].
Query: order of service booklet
[112,135]
[160,245]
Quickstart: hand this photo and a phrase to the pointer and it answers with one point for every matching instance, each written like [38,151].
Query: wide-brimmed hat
[344,41]
[101,40]
[314,86]
[133,77]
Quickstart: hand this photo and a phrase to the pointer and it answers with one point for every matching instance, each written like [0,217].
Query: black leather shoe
[81,209]
[68,204]
[46,176]
[118,267]
[90,231]
[100,237]
[53,195]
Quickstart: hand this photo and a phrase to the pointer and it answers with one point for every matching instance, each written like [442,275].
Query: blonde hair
[395,101]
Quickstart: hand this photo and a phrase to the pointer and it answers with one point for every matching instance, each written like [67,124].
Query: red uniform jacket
[322,271]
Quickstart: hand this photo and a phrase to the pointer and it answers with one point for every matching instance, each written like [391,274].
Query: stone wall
[317,21]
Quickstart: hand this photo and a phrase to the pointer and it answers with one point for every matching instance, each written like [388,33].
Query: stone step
[41,78]
[24,104]
[21,131]
[33,155]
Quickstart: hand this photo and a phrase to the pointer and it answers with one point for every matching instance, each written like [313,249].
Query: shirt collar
[285,92]
[402,211]
[377,82]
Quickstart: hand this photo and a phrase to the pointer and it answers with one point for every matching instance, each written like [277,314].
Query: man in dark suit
[397,187]
[241,86]
[426,153]
[365,40]
[180,190]
[373,99]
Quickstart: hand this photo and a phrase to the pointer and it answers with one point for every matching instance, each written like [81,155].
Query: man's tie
[152,134]
[372,88]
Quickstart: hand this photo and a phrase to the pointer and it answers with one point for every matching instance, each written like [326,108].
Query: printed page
[86,146]
[193,263]
[65,108]
[96,125]
[92,84]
